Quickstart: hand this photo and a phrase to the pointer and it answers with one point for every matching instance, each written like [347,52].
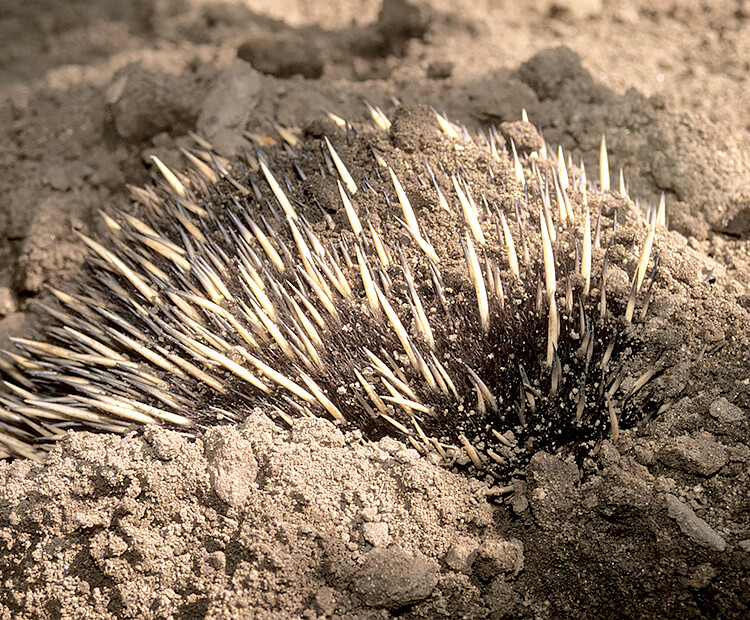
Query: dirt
[267,522]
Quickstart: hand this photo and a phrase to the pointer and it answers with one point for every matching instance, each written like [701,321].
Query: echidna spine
[228,289]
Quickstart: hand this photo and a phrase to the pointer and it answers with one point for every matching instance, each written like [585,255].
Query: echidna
[404,279]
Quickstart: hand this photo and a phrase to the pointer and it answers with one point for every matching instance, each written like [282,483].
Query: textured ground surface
[262,522]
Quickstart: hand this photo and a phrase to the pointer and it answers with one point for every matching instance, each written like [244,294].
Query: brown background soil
[263,522]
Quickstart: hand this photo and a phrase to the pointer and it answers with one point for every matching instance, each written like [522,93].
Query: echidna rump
[405,279]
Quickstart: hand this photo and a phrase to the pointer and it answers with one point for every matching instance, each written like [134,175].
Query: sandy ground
[260,521]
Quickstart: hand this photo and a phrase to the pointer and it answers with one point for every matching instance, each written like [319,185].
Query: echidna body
[361,275]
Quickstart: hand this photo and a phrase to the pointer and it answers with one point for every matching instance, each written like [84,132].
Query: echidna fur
[221,292]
